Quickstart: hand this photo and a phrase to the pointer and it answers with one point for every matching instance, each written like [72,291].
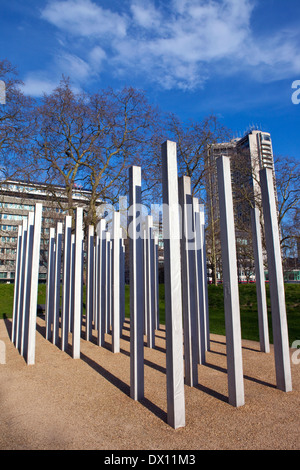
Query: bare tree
[288,193]
[89,141]
[193,140]
[16,124]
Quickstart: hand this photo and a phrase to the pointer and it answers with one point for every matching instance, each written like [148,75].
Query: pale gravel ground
[62,403]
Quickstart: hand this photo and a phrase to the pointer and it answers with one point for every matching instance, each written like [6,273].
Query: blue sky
[235,58]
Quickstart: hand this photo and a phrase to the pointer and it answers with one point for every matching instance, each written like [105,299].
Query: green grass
[248,308]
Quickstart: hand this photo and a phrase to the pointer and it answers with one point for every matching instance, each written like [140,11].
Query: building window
[13,216]
[9,227]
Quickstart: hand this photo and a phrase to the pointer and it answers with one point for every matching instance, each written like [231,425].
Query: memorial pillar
[260,282]
[77,284]
[107,283]
[173,292]
[96,282]
[277,294]
[27,281]
[16,284]
[101,229]
[230,286]
[65,308]
[116,283]
[199,290]
[34,284]
[122,283]
[21,285]
[50,284]
[188,283]
[156,280]
[149,281]
[136,286]
[89,283]
[72,278]
[204,277]
[57,276]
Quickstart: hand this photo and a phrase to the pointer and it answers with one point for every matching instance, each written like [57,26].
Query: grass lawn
[248,308]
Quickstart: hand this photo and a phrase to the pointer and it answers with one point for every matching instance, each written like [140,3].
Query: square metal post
[277,294]
[101,230]
[188,283]
[199,290]
[72,278]
[27,284]
[65,308]
[230,286]
[173,296]
[50,284]
[149,281]
[136,286]
[107,283]
[260,282]
[16,284]
[116,282]
[77,293]
[96,281]
[57,277]
[34,284]
[204,278]
[122,283]
[21,286]
[89,283]
[156,281]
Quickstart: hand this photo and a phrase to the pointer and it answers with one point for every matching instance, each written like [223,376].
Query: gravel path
[62,403]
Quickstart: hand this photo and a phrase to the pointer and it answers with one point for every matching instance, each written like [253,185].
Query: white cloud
[145,15]
[84,18]
[177,44]
[36,87]
[276,58]
[96,56]
[183,41]
[73,66]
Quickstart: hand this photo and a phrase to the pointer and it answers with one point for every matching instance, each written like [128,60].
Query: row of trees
[90,140]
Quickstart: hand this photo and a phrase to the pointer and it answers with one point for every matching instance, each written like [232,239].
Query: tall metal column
[116,283]
[34,284]
[230,286]
[260,282]
[136,286]
[66,283]
[57,276]
[277,294]
[173,304]
[188,283]
[77,292]
[89,283]
[101,230]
